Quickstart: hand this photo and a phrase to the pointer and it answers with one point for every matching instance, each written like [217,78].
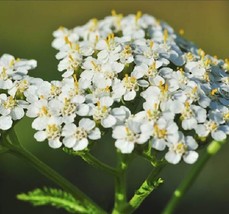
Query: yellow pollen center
[226,116]
[138,16]
[201,54]
[151,44]
[44,111]
[214,91]
[164,87]
[96,67]
[160,133]
[67,41]
[9,103]
[53,131]
[165,35]
[180,148]
[3,74]
[194,90]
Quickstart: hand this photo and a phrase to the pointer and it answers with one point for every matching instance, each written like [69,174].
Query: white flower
[63,37]
[41,111]
[129,87]
[101,112]
[121,114]
[192,115]
[153,111]
[9,106]
[218,132]
[109,49]
[194,93]
[164,131]
[148,71]
[126,56]
[50,131]
[134,132]
[70,63]
[183,147]
[76,137]
[13,69]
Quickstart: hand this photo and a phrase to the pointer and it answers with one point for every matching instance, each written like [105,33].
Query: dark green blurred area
[26,32]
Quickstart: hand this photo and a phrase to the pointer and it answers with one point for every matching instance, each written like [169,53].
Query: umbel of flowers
[133,75]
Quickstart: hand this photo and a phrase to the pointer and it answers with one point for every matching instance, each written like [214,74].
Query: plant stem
[19,151]
[178,194]
[120,185]
[150,184]
[90,159]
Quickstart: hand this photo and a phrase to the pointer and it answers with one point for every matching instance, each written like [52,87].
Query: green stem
[93,161]
[150,184]
[120,185]
[51,174]
[148,157]
[178,194]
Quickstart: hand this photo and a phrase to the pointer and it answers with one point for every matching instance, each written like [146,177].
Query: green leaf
[53,197]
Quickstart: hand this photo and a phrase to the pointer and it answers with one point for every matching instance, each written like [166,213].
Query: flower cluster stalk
[93,161]
[120,184]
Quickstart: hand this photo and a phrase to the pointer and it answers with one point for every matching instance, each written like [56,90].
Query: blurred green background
[26,31]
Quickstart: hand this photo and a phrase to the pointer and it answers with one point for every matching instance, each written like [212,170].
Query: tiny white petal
[39,123]
[40,136]
[87,124]
[95,134]
[191,157]
[218,135]
[189,124]
[55,143]
[80,145]
[119,132]
[192,144]
[69,142]
[158,144]
[172,157]
[5,122]
[130,95]
[124,146]
[17,113]
[201,130]
[78,99]
[108,122]
[83,110]
[69,129]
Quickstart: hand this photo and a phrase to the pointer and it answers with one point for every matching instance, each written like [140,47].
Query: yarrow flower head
[131,75]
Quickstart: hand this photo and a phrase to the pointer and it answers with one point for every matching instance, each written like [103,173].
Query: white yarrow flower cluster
[13,83]
[133,75]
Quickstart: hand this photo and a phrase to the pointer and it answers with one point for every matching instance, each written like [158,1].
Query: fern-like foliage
[53,197]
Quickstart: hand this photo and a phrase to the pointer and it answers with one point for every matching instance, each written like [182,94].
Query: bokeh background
[26,31]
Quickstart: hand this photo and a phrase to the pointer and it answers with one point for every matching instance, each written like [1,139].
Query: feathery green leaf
[53,197]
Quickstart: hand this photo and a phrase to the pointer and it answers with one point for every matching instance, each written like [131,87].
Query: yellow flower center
[10,103]
[53,131]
